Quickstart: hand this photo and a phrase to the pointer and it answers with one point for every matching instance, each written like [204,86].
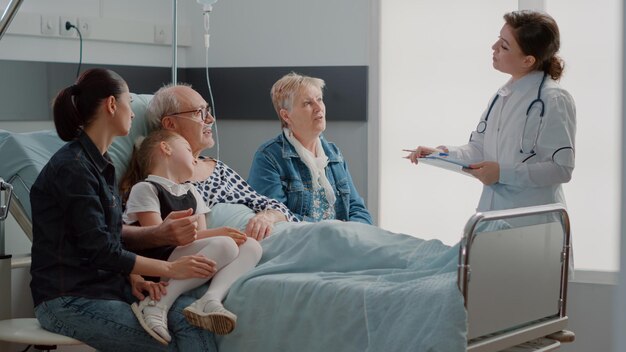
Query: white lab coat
[525,179]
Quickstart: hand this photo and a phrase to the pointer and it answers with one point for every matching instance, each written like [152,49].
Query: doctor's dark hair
[537,34]
[75,106]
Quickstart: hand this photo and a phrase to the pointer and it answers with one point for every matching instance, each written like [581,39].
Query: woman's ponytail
[67,119]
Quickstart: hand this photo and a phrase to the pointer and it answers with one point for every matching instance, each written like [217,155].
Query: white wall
[284,33]
[138,13]
[436,78]
[619,304]
[243,33]
[593,77]
[435,87]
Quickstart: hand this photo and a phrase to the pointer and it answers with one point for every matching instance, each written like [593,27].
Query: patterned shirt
[226,186]
[321,209]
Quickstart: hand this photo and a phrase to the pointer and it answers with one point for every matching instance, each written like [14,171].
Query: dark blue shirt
[77,226]
[278,172]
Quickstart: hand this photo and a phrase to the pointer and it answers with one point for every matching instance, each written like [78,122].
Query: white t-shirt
[144,197]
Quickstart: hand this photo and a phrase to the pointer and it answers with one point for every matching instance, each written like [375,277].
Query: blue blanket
[337,286]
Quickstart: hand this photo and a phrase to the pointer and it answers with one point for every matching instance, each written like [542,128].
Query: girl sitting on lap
[160,166]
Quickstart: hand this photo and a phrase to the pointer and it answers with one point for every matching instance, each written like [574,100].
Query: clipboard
[444,161]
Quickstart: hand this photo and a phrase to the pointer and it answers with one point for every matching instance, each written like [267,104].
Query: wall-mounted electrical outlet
[49,25]
[160,34]
[71,32]
[85,27]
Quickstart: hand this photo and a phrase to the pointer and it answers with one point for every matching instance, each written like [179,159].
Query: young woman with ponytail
[80,270]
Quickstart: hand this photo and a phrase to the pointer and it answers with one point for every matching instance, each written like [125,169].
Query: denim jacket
[77,224]
[278,172]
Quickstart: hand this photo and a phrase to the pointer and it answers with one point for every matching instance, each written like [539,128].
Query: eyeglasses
[199,115]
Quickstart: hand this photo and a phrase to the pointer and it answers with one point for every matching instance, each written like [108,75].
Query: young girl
[164,162]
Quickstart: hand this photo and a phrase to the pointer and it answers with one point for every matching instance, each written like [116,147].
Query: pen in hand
[439,152]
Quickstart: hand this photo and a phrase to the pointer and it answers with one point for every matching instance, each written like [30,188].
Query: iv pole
[8,15]
[174,42]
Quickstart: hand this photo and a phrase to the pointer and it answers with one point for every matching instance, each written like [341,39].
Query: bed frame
[514,281]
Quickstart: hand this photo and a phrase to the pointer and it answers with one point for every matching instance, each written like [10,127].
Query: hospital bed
[506,279]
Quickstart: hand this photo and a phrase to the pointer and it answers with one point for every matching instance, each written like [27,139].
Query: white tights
[232,262]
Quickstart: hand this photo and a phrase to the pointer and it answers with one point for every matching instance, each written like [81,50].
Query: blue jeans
[109,325]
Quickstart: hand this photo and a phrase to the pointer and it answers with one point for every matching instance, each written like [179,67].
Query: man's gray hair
[163,103]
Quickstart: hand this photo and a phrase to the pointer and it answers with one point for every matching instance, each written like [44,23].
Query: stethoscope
[482,125]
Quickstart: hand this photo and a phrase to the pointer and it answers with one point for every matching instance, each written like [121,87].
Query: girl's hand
[238,236]
[192,266]
[154,289]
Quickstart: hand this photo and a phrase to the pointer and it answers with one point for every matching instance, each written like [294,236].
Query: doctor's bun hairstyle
[537,34]
[285,89]
[75,106]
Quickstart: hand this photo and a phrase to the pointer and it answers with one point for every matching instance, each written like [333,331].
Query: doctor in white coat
[523,147]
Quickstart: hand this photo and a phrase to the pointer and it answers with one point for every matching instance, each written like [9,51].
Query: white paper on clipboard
[445,162]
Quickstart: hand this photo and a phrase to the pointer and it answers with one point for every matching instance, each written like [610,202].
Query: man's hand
[261,225]
[179,228]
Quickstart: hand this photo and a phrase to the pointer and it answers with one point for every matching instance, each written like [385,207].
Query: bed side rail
[469,235]
[4,208]
[5,202]
[516,262]
[17,209]
[6,191]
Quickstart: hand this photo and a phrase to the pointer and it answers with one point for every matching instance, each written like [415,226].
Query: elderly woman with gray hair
[300,167]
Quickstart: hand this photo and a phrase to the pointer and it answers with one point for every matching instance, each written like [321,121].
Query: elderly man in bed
[180,108]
